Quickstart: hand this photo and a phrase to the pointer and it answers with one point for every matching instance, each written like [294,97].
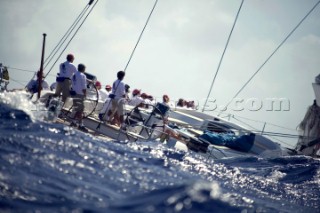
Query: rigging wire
[65,36]
[274,135]
[72,37]
[133,51]
[270,134]
[294,29]
[24,70]
[253,130]
[18,82]
[225,48]
[135,47]
[282,127]
[281,134]
[257,131]
[249,119]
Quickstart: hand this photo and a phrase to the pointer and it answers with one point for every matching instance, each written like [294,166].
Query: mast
[41,66]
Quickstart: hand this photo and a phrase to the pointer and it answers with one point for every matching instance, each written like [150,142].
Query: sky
[180,49]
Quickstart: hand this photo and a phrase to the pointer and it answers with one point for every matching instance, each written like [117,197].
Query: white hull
[261,146]
[193,120]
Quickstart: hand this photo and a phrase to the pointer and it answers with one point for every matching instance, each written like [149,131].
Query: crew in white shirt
[103,94]
[79,87]
[136,100]
[33,85]
[79,81]
[67,70]
[151,100]
[166,101]
[146,100]
[118,95]
[108,89]
[106,106]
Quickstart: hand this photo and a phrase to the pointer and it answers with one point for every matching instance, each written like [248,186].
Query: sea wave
[51,167]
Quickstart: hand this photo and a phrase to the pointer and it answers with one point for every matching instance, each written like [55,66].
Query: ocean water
[48,167]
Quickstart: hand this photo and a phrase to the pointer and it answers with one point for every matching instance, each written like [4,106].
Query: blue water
[46,167]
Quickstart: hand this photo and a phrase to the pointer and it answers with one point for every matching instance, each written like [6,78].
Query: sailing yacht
[182,129]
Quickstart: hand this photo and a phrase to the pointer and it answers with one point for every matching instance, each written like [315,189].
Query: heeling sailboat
[210,135]
[187,130]
[190,127]
[179,128]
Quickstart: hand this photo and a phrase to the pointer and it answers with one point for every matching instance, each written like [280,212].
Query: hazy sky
[180,49]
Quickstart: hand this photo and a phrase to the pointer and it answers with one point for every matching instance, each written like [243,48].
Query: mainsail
[309,140]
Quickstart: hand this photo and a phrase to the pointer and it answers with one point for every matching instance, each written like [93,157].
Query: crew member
[118,96]
[33,85]
[108,88]
[103,95]
[67,70]
[79,86]
[136,100]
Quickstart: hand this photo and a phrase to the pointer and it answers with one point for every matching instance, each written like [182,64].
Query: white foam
[21,100]
[276,175]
